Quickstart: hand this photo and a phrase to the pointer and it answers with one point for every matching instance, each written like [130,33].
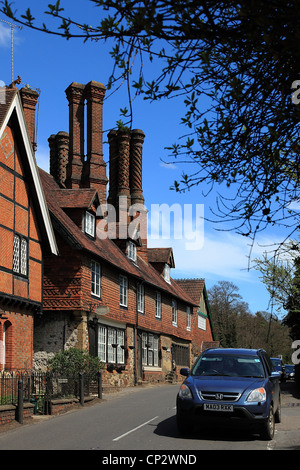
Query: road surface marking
[134,429]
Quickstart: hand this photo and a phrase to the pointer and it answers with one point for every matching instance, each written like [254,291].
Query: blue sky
[50,64]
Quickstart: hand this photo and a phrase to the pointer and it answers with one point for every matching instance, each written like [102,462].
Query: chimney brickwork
[59,156]
[29,100]
[72,168]
[75,96]
[136,151]
[94,170]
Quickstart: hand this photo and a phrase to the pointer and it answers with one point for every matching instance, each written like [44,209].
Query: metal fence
[42,387]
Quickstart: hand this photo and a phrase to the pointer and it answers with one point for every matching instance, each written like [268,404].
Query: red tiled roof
[194,287]
[70,198]
[161,255]
[106,249]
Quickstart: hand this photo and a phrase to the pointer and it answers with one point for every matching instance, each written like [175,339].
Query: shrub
[74,361]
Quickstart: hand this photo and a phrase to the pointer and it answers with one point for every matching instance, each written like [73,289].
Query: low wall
[62,405]
[8,413]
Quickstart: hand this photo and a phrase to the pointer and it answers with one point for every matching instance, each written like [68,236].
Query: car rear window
[228,365]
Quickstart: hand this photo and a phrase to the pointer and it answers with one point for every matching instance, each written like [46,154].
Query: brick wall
[17,217]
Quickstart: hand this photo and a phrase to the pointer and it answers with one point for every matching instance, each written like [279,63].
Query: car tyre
[278,412]
[268,429]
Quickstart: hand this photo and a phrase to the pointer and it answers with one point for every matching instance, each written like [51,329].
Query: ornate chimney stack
[135,169]
[75,96]
[59,156]
[94,169]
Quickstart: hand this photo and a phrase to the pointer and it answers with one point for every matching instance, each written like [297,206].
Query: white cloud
[169,166]
[5,35]
[222,255]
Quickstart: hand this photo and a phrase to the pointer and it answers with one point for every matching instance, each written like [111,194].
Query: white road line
[132,430]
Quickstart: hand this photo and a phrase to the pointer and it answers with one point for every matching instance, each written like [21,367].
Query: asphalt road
[141,419]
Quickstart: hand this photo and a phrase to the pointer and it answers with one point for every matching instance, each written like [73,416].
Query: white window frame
[90,224]
[167,273]
[188,318]
[20,255]
[201,322]
[140,297]
[157,304]
[102,342]
[111,344]
[131,250]
[150,344]
[123,291]
[174,312]
[95,279]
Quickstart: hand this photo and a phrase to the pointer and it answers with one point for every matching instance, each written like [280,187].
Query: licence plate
[217,407]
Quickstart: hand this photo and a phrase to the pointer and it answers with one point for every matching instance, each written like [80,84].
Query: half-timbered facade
[26,232]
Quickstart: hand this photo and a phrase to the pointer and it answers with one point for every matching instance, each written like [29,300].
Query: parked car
[279,367]
[230,386]
[290,371]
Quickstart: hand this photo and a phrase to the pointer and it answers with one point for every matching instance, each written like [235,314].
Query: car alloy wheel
[268,430]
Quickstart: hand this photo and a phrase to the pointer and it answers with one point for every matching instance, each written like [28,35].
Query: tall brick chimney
[29,100]
[75,96]
[94,167]
[125,179]
[59,156]
[125,166]
[135,169]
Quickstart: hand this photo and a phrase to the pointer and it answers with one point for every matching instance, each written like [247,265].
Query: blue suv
[232,386]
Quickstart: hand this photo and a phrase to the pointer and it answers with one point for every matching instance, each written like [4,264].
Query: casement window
[167,271]
[20,255]
[201,322]
[123,291]
[150,344]
[95,279]
[181,355]
[131,250]
[188,318]
[157,305]
[90,224]
[174,312]
[140,297]
[111,345]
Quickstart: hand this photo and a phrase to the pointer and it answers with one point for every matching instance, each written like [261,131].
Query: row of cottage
[74,272]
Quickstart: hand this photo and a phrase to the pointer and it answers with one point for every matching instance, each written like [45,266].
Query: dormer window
[131,250]
[90,224]
[167,270]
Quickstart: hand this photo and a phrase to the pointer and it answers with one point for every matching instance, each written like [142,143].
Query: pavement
[290,396]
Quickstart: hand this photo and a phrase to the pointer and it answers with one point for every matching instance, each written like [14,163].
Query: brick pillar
[75,96]
[29,99]
[94,174]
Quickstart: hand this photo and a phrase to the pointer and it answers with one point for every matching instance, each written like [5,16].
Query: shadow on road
[168,428]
